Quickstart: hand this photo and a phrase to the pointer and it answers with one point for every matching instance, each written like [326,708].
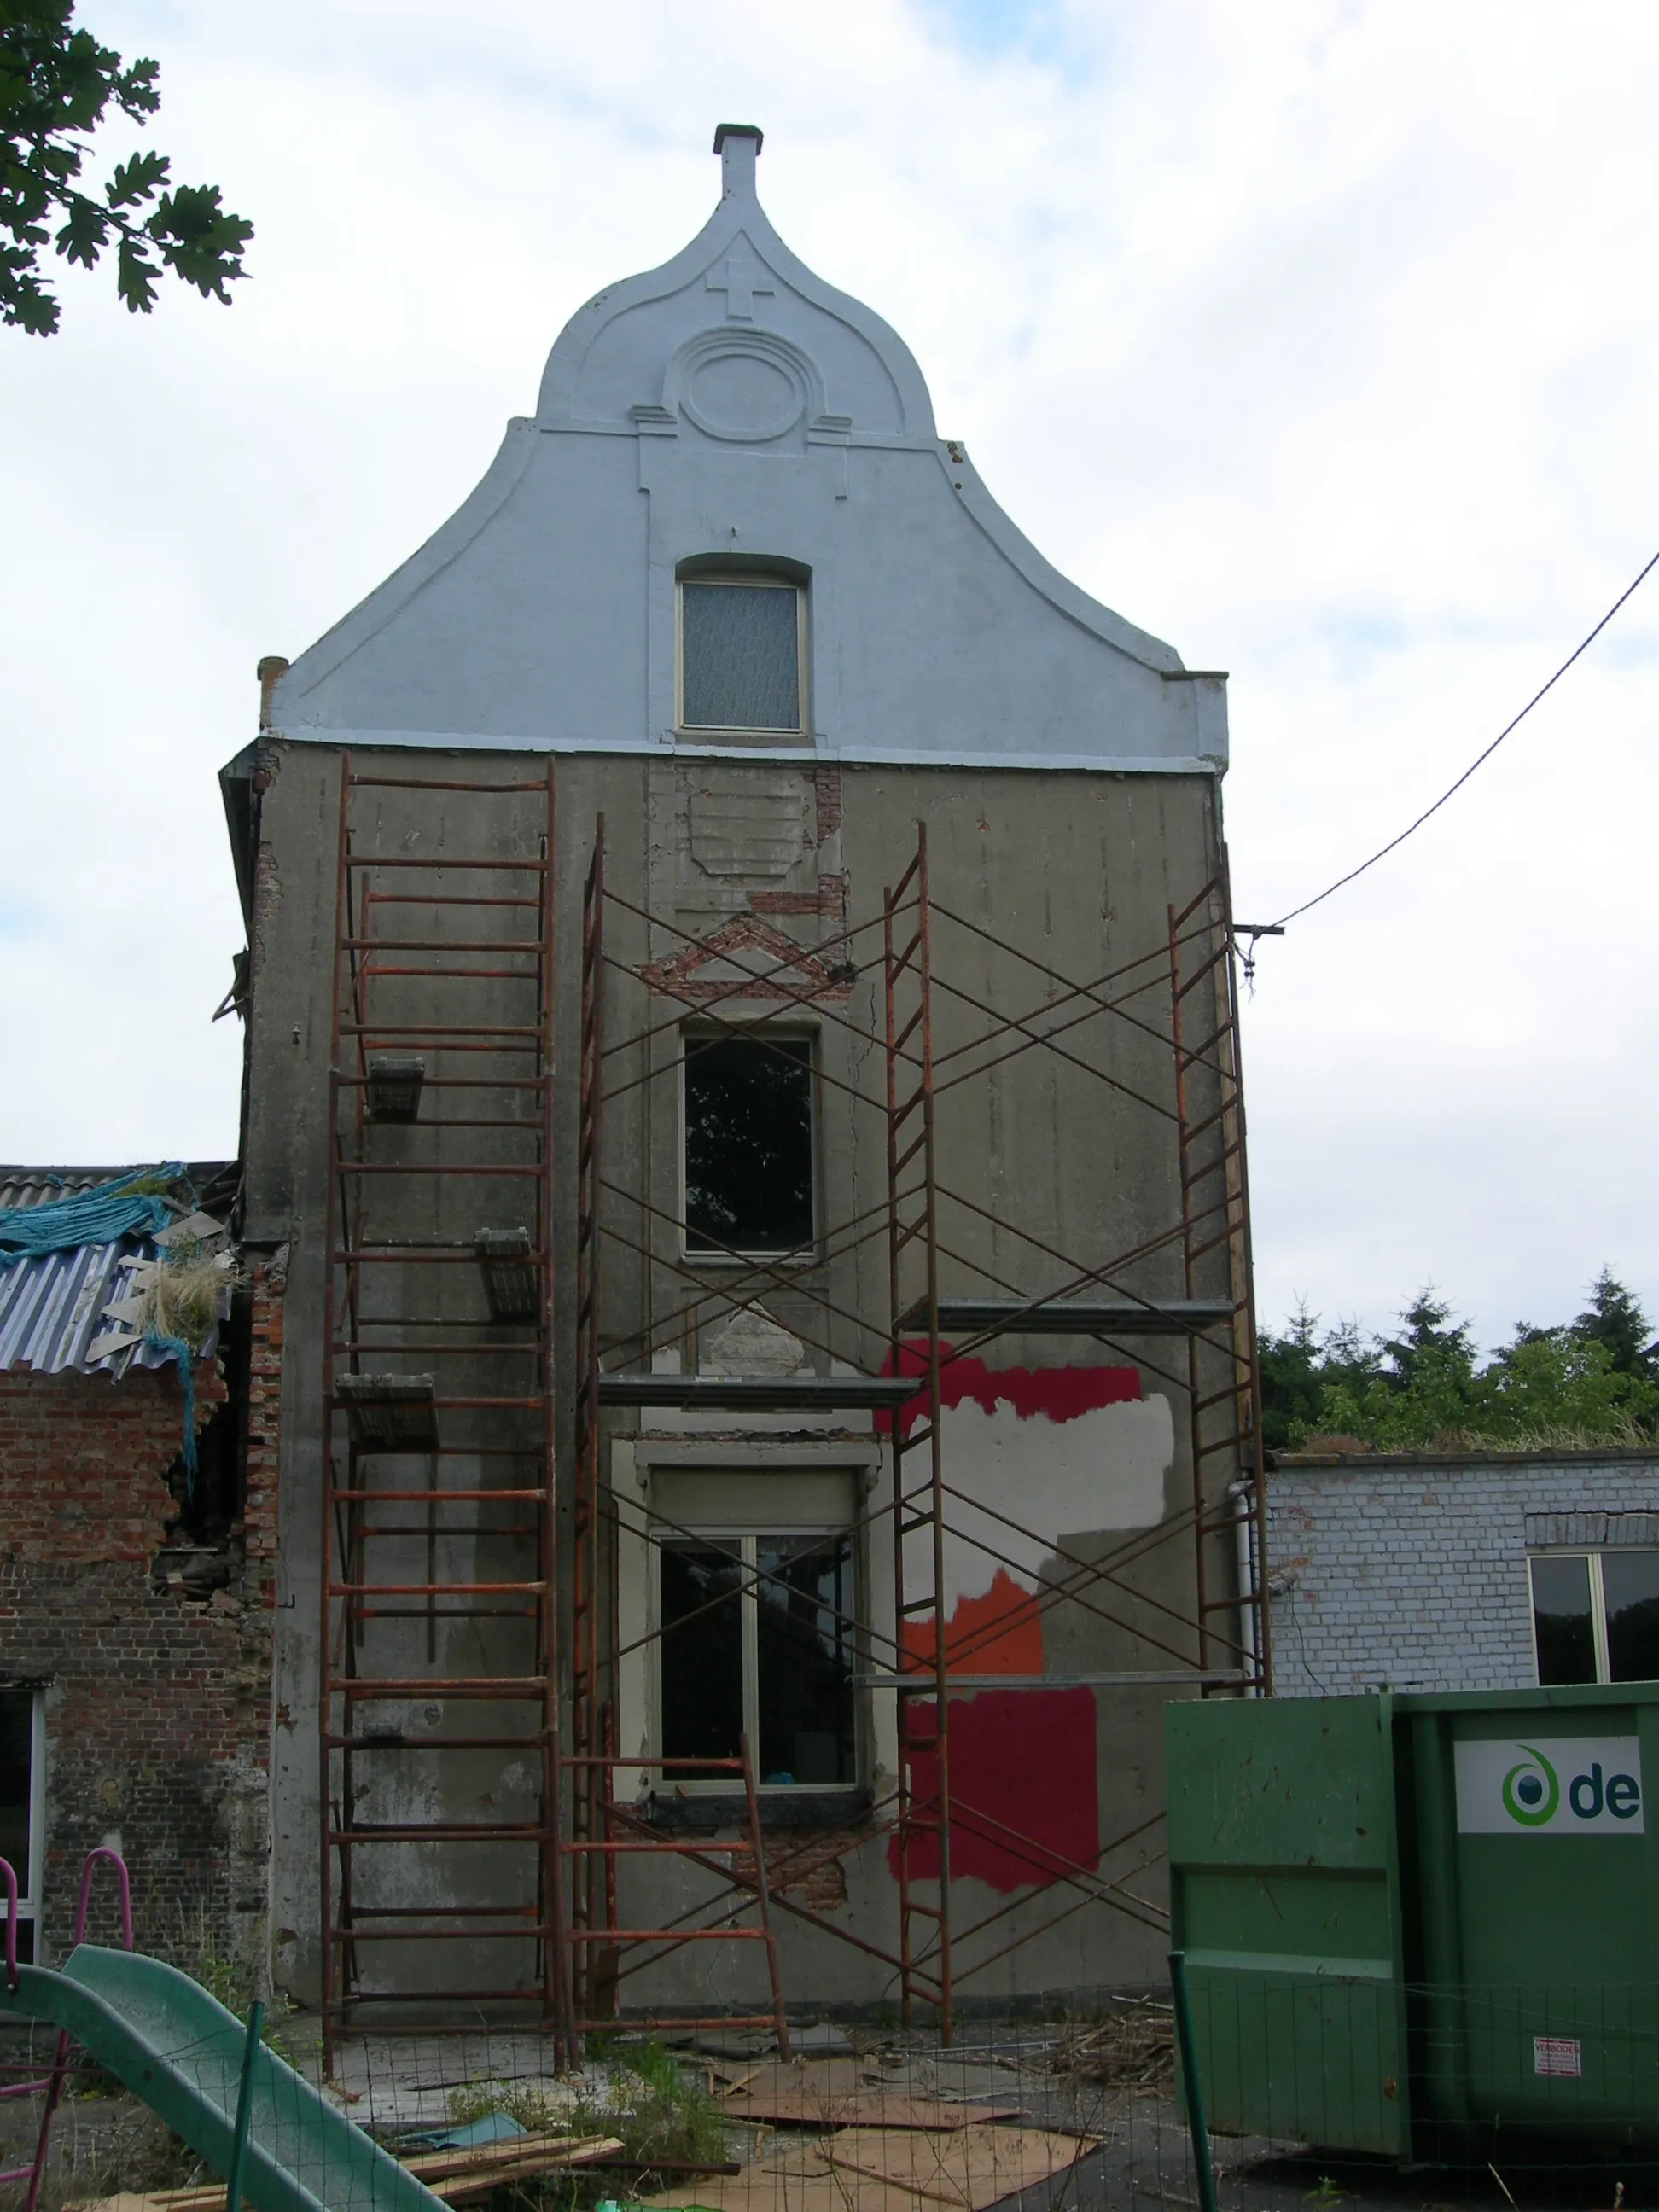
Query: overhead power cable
[1276,928]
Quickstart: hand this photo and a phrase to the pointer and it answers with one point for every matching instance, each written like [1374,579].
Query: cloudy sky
[1317,337]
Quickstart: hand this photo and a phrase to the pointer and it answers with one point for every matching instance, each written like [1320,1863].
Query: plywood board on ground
[795,2181]
[459,2176]
[973,2167]
[886,2170]
[838,2093]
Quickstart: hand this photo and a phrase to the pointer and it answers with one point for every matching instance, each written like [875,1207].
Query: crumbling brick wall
[157,1705]
[1409,1572]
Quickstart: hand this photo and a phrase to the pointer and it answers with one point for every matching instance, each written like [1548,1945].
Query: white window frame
[743,1541]
[29,1878]
[795,1032]
[748,580]
[1595,1554]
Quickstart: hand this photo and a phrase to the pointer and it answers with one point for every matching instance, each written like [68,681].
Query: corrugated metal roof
[51,1309]
[38,1186]
[52,1303]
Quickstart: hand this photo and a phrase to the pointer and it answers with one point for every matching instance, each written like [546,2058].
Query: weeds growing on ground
[527,2102]
[230,1981]
[658,2108]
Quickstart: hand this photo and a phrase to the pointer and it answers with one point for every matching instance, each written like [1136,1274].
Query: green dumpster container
[1413,1922]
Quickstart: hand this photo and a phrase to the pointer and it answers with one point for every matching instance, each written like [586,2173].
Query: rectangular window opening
[21,1783]
[1562,1623]
[1630,1598]
[742,664]
[749,1147]
[758,1640]
[1596,1616]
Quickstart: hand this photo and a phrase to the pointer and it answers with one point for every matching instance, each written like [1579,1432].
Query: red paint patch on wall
[1024,1794]
[997,1633]
[1058,1394]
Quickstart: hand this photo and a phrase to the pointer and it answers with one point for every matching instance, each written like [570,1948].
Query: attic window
[741,656]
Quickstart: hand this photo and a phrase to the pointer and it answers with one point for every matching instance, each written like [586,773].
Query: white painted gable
[731,404]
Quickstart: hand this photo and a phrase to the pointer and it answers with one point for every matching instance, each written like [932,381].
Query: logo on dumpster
[1560,1785]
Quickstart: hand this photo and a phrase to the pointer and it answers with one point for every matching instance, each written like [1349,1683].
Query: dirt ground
[1108,2084]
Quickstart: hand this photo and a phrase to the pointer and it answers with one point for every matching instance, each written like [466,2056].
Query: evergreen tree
[1614,1317]
[1595,1380]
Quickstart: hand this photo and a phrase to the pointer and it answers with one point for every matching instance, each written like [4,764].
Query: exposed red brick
[811,1865]
[827,785]
[157,1709]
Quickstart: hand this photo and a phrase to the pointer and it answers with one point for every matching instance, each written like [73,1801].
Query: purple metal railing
[53,2083]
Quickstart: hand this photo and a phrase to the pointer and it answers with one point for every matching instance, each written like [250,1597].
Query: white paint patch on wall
[1101,1469]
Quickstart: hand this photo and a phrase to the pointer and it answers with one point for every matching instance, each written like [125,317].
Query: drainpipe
[1241,1496]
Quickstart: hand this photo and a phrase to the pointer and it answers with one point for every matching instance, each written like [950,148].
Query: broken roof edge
[27,1184]
[52,1301]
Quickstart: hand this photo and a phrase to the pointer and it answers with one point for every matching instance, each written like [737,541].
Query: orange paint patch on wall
[1000,1632]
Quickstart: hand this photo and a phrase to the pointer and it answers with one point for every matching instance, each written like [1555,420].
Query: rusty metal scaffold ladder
[438,1645]
[922,1806]
[605,1833]
[943,1305]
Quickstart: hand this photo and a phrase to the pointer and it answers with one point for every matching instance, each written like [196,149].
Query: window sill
[704,1813]
[763,740]
[793,1257]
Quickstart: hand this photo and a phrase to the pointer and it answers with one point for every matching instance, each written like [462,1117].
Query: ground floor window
[1596,1616]
[757,1640]
[21,1783]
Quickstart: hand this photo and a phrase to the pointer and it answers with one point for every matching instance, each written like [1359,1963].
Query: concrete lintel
[761,1452]
[764,1393]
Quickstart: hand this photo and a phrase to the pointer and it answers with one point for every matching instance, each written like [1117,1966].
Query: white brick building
[1412,1572]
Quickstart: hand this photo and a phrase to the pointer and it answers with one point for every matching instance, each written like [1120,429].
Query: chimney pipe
[269,671]
[738,146]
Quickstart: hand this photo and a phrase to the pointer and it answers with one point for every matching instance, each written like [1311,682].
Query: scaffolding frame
[1215,1371]
[474,930]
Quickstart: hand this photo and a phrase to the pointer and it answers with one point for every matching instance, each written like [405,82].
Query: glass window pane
[16,1751]
[1561,1620]
[1630,1583]
[701,1656]
[741,666]
[805,1598]
[748,1144]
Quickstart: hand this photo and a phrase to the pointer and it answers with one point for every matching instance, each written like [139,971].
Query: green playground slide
[180,2050]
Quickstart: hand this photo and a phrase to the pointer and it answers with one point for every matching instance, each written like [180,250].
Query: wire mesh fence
[1055,2111]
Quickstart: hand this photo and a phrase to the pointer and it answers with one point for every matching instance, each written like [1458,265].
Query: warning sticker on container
[1556,2054]
[1556,1785]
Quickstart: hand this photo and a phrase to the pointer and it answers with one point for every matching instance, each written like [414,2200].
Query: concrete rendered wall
[1410,1573]
[1080,870]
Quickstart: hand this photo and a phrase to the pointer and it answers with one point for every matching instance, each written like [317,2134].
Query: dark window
[748,1144]
[758,1641]
[1562,1622]
[740,655]
[17,1780]
[1629,1585]
[702,1637]
[804,1659]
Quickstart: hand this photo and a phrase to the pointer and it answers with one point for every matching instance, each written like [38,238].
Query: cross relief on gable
[743,281]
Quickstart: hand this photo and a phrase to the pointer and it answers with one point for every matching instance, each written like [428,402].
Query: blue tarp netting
[99,1216]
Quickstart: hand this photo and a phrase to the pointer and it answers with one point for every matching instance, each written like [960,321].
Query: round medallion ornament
[744,387]
[744,396]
